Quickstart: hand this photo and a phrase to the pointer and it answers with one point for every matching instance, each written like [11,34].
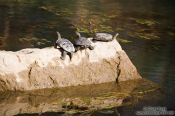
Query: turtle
[83,42]
[66,47]
[105,37]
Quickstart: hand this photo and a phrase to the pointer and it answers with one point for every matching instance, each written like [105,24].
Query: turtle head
[115,36]
[78,34]
[59,35]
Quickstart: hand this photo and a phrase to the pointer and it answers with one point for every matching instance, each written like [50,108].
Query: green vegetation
[146,22]
[147,36]
[123,40]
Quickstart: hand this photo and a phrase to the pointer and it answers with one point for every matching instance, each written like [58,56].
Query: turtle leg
[94,41]
[91,47]
[55,45]
[63,55]
[70,55]
[77,48]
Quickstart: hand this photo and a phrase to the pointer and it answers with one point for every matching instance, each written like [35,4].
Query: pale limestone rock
[30,69]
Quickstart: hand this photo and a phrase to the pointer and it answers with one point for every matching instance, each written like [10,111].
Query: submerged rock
[30,69]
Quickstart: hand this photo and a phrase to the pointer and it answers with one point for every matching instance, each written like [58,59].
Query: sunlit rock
[30,69]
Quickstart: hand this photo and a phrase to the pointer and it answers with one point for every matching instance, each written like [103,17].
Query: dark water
[146,27]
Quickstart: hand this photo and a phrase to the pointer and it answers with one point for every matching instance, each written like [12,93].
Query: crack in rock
[29,74]
[118,68]
[53,81]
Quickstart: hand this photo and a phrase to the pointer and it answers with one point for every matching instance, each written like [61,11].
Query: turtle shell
[103,37]
[82,41]
[66,45]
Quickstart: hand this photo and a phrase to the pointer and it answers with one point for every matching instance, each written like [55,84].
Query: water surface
[146,27]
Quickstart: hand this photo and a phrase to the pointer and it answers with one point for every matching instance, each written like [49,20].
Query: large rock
[30,69]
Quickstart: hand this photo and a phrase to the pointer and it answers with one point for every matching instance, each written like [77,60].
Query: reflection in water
[147,31]
[71,99]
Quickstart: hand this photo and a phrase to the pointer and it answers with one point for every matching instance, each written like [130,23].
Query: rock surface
[30,69]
